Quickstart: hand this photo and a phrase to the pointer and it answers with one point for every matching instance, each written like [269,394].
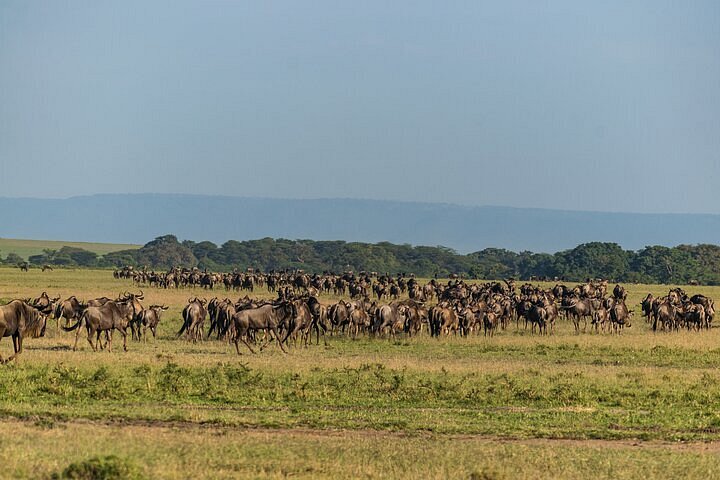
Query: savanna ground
[639,405]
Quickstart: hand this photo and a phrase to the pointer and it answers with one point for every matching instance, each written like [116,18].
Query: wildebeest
[664,314]
[320,319]
[537,315]
[600,319]
[443,318]
[19,320]
[707,304]
[69,309]
[619,292]
[266,317]
[44,303]
[358,317]
[137,307]
[415,315]
[619,316]
[490,322]
[193,316]
[110,316]
[695,316]
[339,315]
[220,312]
[389,318]
[577,309]
[647,307]
[150,318]
[299,322]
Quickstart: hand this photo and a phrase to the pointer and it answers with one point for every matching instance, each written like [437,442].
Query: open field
[639,405]
[26,248]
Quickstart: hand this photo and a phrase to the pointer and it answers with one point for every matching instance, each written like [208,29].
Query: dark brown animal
[193,315]
[267,317]
[647,307]
[300,322]
[150,318]
[19,320]
[619,316]
[69,309]
[106,318]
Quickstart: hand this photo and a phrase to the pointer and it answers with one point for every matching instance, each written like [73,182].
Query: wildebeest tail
[58,311]
[185,325]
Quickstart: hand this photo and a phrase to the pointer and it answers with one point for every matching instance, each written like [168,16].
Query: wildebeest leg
[316,328]
[90,333]
[2,333]
[108,337]
[17,347]
[277,336]
[244,340]
[124,334]
[290,331]
[77,335]
[324,334]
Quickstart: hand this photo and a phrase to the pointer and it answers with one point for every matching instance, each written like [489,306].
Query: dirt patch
[214,428]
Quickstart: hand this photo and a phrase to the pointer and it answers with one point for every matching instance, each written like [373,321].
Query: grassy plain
[26,248]
[514,406]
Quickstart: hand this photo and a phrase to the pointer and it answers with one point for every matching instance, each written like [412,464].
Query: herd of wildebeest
[379,306]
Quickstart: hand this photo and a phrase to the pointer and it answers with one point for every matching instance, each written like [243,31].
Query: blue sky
[611,105]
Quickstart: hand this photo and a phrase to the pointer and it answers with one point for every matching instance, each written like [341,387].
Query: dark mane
[33,320]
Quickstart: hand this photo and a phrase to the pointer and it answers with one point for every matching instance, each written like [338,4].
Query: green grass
[514,406]
[208,451]
[26,248]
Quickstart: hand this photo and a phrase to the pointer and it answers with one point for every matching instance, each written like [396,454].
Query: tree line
[653,264]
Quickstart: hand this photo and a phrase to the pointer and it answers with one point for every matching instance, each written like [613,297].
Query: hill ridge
[135,218]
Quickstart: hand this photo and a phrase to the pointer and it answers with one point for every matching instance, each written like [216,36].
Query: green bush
[101,468]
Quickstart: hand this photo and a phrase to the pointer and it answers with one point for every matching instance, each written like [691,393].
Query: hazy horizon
[133,218]
[584,106]
[359,199]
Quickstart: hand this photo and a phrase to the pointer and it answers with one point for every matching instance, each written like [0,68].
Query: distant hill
[26,248]
[133,219]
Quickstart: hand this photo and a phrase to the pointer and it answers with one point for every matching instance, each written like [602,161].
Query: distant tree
[590,260]
[120,258]
[13,259]
[593,260]
[165,252]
